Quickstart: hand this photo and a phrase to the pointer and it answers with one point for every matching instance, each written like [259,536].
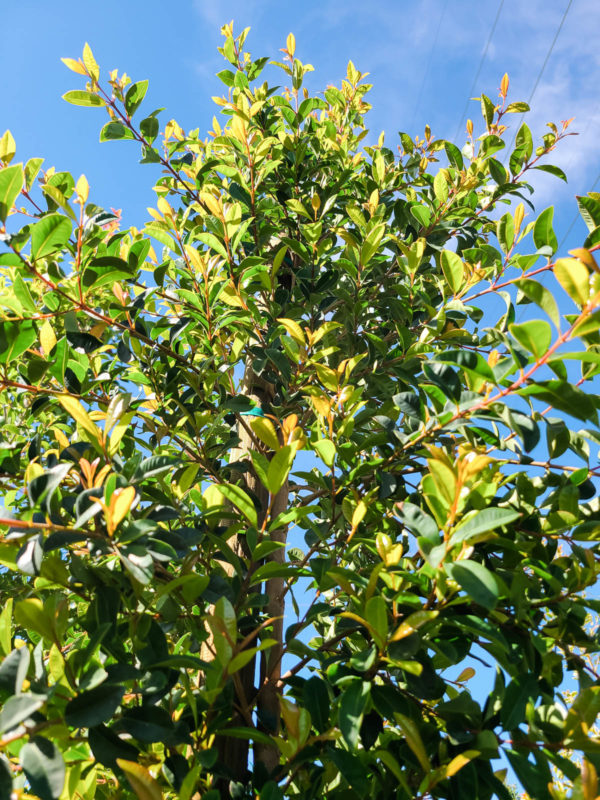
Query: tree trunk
[233,753]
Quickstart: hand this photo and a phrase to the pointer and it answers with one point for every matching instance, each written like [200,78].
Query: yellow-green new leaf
[279,467]
[413,739]
[294,330]
[90,62]
[143,784]
[574,278]
[11,183]
[8,147]
[453,269]
[240,500]
[326,450]
[74,408]
[265,430]
[371,244]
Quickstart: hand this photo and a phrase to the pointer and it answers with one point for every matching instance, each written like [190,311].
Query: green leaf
[58,197]
[143,784]
[377,616]
[371,244]
[44,768]
[564,397]
[94,706]
[481,522]
[18,708]
[440,187]
[454,155]
[476,580]
[422,214]
[135,95]
[524,141]
[22,293]
[6,779]
[516,108]
[353,704]
[149,128]
[453,269]
[11,183]
[115,130]
[279,467]
[541,296]
[487,109]
[226,76]
[535,335]
[215,244]
[6,626]
[589,208]
[79,97]
[316,700]
[106,746]
[240,500]
[498,171]
[31,615]
[552,170]
[326,450]
[49,235]
[505,231]
[15,339]
[32,168]
[155,465]
[248,734]
[534,777]
[543,232]
[413,739]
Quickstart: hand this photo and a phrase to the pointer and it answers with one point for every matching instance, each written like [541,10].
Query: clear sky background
[425,59]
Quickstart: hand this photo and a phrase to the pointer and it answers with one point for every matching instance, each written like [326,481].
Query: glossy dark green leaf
[589,208]
[488,519]
[93,707]
[352,707]
[13,670]
[115,130]
[6,779]
[44,768]
[316,700]
[476,580]
[543,232]
[552,170]
[15,339]
[107,746]
[135,95]
[18,708]
[534,777]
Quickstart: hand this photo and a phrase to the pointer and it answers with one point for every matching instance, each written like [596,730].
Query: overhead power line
[476,78]
[427,68]
[542,70]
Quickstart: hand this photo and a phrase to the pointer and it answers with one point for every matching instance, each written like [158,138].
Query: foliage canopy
[277,471]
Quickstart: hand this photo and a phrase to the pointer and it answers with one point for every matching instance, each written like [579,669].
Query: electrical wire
[476,78]
[542,70]
[429,60]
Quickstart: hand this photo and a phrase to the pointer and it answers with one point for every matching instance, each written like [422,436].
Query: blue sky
[423,57]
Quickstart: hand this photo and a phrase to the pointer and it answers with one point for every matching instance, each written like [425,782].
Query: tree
[277,482]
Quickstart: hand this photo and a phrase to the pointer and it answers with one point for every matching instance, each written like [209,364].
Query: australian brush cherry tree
[290,511]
